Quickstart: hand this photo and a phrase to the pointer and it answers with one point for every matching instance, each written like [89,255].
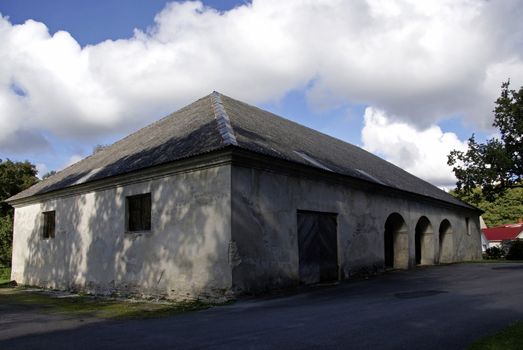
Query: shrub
[516,250]
[505,245]
[494,253]
[6,240]
[5,274]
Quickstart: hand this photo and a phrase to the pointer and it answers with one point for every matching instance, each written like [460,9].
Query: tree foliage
[497,164]
[507,208]
[48,174]
[6,240]
[515,251]
[99,148]
[14,177]
[494,253]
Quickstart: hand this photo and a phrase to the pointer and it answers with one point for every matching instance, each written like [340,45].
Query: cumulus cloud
[420,152]
[41,169]
[418,60]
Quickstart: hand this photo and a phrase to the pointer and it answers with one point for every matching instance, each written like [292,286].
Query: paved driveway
[441,307]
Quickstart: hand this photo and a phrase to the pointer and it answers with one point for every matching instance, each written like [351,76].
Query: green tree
[48,174]
[505,209]
[6,240]
[14,177]
[497,164]
[99,148]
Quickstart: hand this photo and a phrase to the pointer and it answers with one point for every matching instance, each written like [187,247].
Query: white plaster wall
[264,232]
[494,244]
[185,255]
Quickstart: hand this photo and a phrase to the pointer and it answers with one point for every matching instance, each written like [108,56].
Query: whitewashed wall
[264,227]
[185,255]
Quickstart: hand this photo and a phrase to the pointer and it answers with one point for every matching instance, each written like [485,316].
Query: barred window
[138,212]
[49,224]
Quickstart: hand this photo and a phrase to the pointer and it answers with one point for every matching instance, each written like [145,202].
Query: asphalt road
[441,307]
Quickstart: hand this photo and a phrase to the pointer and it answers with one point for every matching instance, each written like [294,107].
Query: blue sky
[90,22]
[406,81]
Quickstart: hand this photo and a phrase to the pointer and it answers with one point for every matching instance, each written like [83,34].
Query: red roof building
[504,233]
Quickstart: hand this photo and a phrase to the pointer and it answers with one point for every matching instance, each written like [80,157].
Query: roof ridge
[224,123]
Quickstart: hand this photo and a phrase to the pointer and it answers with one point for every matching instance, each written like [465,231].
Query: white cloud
[42,169]
[75,158]
[421,152]
[418,60]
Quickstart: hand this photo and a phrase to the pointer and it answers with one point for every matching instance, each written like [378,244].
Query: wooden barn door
[318,247]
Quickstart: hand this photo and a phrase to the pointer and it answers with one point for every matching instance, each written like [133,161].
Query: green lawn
[511,338]
[488,261]
[89,306]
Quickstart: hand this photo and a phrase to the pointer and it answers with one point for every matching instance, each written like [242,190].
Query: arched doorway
[396,242]
[424,242]
[445,242]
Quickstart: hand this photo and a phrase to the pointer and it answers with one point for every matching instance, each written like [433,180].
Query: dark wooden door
[318,247]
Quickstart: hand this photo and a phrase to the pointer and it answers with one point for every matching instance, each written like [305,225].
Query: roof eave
[240,156]
[200,161]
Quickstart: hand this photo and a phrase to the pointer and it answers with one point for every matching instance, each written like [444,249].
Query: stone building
[222,198]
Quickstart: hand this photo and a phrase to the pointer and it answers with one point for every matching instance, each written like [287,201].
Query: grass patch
[98,307]
[488,261]
[510,338]
[5,274]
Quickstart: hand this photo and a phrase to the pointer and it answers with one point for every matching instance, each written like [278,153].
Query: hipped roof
[217,121]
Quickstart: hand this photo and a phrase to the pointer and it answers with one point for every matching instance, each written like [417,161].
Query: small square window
[49,224]
[139,212]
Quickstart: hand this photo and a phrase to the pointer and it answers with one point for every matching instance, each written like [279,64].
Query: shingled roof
[217,121]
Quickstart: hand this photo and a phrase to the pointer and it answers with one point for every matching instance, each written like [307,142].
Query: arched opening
[445,242]
[424,242]
[396,242]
